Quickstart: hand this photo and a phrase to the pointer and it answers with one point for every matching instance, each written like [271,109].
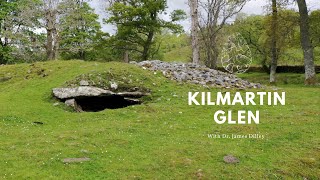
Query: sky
[252,7]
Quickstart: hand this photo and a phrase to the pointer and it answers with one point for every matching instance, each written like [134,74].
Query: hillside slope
[163,138]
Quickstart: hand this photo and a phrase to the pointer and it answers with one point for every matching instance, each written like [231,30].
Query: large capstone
[82,91]
[93,99]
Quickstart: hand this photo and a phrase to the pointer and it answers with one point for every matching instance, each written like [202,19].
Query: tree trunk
[194,31]
[310,75]
[82,54]
[146,48]
[56,45]
[126,56]
[209,56]
[51,34]
[214,52]
[147,45]
[49,46]
[274,59]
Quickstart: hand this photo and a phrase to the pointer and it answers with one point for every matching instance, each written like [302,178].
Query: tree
[79,29]
[310,75]
[26,39]
[212,20]
[274,49]
[253,30]
[18,37]
[50,14]
[194,31]
[137,23]
[6,8]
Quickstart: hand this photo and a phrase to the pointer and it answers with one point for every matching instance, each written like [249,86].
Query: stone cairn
[197,74]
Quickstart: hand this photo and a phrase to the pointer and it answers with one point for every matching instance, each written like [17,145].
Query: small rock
[84,83]
[114,85]
[199,174]
[230,159]
[70,102]
[73,103]
[84,151]
[75,160]
[219,81]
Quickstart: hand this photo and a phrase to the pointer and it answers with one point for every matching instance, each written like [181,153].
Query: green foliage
[80,30]
[252,28]
[175,47]
[315,27]
[19,40]
[178,15]
[138,22]
[6,7]
[5,54]
[256,30]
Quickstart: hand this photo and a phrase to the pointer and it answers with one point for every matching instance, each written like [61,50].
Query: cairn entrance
[94,99]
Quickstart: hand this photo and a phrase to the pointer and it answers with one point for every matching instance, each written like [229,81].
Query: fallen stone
[70,102]
[230,159]
[75,160]
[73,103]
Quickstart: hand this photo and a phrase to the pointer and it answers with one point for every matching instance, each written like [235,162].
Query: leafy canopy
[138,21]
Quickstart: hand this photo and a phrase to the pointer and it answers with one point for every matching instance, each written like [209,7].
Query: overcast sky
[252,7]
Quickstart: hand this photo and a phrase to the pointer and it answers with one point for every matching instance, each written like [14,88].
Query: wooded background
[40,30]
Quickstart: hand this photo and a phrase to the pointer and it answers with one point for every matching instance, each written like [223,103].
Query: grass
[161,139]
[182,54]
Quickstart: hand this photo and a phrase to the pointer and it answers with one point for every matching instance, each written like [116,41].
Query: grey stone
[85,91]
[84,151]
[205,76]
[219,81]
[73,103]
[132,100]
[70,102]
[114,85]
[180,76]
[84,83]
[132,94]
[75,160]
[230,159]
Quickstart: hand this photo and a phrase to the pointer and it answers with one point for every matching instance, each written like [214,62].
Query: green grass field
[163,138]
